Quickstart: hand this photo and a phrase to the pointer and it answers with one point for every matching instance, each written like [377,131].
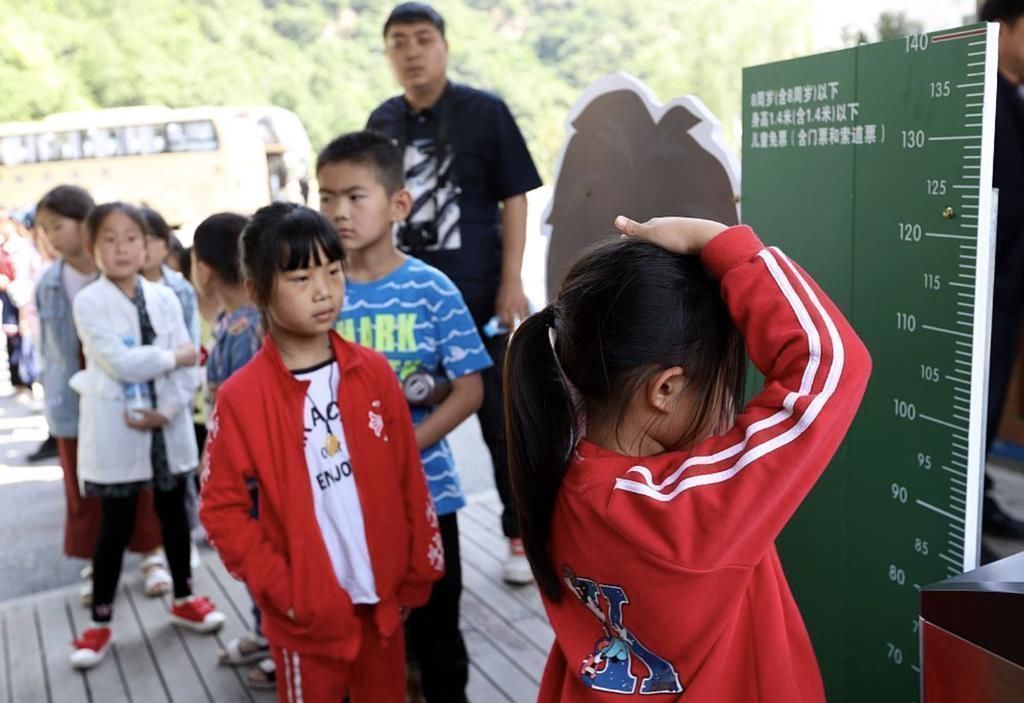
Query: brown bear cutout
[620,161]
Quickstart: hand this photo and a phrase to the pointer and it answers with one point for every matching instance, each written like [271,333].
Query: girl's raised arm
[730,496]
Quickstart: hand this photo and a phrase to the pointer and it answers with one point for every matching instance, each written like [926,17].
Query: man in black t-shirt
[1008,295]
[468,169]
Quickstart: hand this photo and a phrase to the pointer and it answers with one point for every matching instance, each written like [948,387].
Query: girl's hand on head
[144,419]
[186,354]
[679,235]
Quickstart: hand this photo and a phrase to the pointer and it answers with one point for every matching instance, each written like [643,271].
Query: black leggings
[433,629]
[115,532]
[492,425]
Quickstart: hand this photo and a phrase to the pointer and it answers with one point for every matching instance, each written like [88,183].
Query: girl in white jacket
[135,426]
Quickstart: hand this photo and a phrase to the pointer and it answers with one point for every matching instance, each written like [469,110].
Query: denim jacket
[187,297]
[58,342]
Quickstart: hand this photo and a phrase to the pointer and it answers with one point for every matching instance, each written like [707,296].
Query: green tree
[324,58]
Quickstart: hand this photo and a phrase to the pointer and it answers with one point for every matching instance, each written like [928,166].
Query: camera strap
[440,112]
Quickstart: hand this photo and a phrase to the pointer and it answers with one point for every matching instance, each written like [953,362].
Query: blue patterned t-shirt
[415,316]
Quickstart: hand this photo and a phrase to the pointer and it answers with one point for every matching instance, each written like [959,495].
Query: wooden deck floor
[505,629]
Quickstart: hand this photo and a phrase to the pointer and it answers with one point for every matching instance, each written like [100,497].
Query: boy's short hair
[1001,10]
[412,12]
[216,244]
[158,226]
[367,148]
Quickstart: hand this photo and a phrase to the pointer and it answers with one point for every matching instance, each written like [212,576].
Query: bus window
[144,139]
[277,172]
[18,149]
[287,156]
[267,130]
[102,142]
[199,135]
[59,146]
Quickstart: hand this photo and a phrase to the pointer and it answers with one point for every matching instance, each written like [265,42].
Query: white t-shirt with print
[74,280]
[335,498]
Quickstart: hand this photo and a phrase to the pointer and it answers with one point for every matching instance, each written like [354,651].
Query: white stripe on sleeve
[657,491]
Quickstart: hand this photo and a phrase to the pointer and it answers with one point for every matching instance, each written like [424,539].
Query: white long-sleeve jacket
[109,451]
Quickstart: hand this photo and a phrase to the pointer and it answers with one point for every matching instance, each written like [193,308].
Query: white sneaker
[516,570]
[85,594]
[194,559]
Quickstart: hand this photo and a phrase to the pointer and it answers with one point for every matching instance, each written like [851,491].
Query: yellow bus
[186,163]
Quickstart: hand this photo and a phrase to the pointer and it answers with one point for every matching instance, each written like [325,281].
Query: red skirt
[84,515]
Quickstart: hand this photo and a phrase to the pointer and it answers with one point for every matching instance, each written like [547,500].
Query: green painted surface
[850,170]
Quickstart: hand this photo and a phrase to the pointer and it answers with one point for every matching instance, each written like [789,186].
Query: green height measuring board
[872,168]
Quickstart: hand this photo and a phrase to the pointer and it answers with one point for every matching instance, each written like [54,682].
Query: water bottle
[136,395]
[494,327]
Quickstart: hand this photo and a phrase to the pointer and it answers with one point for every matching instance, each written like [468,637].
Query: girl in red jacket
[347,540]
[649,507]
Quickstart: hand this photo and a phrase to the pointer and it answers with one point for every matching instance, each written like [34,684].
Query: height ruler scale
[872,168]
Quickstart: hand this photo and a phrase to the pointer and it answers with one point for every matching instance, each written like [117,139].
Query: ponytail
[540,421]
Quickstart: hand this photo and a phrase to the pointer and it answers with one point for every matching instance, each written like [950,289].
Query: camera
[424,388]
[415,237]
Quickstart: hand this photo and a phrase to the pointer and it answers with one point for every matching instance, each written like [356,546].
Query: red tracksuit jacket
[673,583]
[256,433]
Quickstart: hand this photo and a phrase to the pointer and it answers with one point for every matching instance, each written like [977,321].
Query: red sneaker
[91,647]
[198,614]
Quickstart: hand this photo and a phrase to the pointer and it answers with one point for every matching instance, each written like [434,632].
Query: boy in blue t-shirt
[414,315]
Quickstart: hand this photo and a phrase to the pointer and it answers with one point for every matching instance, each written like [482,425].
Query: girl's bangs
[308,245]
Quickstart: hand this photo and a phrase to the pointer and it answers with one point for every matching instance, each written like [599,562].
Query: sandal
[263,675]
[85,590]
[157,581]
[247,649]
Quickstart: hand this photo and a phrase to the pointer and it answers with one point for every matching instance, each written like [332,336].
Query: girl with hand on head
[649,501]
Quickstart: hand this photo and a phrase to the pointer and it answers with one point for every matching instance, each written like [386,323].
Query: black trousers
[1007,315]
[116,527]
[10,317]
[492,424]
[1005,343]
[1002,355]
[432,631]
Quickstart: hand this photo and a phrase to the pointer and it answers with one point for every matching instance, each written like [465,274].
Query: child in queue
[346,542]
[649,503]
[135,429]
